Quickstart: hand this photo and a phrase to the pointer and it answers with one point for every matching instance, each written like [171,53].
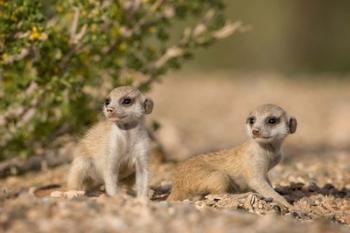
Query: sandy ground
[201,113]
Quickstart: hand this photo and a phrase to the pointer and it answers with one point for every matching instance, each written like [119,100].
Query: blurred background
[287,36]
[296,54]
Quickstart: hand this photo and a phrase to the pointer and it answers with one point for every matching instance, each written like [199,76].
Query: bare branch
[229,29]
[74,25]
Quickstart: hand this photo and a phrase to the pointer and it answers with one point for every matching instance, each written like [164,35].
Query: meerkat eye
[126,101]
[107,101]
[272,120]
[251,120]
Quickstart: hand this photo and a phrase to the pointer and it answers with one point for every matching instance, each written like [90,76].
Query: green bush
[55,56]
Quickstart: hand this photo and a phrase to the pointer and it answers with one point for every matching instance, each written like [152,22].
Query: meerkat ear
[292,125]
[148,105]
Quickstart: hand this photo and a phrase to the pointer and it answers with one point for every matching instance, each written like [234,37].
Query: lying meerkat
[242,168]
[117,147]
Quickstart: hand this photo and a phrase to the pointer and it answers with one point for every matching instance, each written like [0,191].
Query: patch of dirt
[320,193]
[123,214]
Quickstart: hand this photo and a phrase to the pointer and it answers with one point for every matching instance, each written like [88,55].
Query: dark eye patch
[126,101]
[251,120]
[272,120]
[107,101]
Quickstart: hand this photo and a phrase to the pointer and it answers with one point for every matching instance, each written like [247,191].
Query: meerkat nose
[256,132]
[110,109]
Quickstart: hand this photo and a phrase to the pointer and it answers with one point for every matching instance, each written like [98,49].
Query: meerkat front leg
[262,186]
[110,174]
[142,176]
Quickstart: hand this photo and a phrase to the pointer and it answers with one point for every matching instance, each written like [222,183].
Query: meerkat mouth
[261,137]
[115,117]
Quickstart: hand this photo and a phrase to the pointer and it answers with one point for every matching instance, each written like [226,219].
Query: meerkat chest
[272,159]
[263,160]
[125,146]
[275,159]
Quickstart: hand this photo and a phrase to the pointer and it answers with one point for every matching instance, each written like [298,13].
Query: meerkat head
[126,105]
[269,123]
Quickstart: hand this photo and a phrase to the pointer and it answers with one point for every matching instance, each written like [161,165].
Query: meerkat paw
[71,194]
[56,194]
[74,194]
[142,201]
[281,208]
[282,205]
[111,188]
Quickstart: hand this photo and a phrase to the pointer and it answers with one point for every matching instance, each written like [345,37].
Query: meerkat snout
[269,123]
[109,110]
[256,132]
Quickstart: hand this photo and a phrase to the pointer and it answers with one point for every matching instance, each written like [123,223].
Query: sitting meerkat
[242,168]
[116,147]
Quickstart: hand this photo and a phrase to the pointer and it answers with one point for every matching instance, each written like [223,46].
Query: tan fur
[114,148]
[240,169]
